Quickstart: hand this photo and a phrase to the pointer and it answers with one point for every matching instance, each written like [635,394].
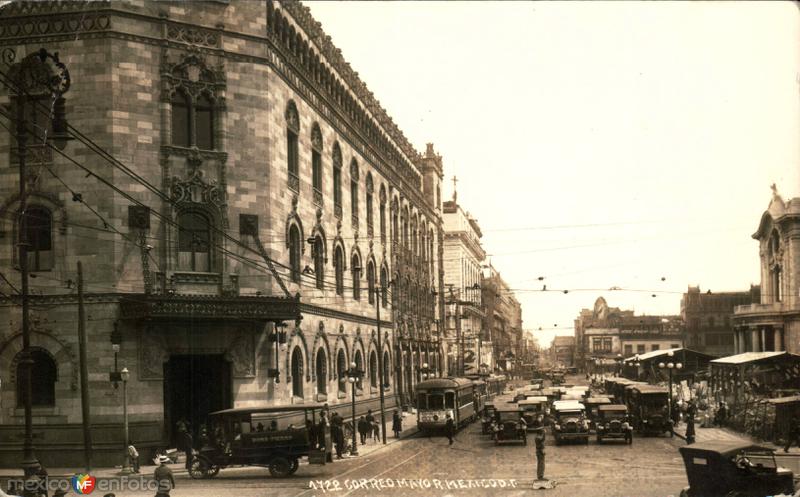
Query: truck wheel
[293,465]
[280,467]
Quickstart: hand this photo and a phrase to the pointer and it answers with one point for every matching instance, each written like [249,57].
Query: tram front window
[450,400]
[422,401]
[435,402]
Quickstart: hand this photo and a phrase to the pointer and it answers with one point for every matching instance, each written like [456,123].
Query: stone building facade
[463,257]
[563,350]
[708,317]
[502,320]
[264,200]
[773,324]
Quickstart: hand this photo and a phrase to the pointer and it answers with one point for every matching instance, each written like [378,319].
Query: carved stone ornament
[195,189]
[152,355]
[241,354]
[316,138]
[195,76]
[292,117]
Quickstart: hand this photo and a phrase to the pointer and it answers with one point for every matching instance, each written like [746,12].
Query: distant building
[709,318]
[773,324]
[502,320]
[608,334]
[563,351]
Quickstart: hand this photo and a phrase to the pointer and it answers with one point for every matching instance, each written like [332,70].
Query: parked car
[488,417]
[508,426]
[733,469]
[591,404]
[612,422]
[648,405]
[532,407]
[569,421]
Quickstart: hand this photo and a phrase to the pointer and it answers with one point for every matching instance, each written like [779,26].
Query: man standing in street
[188,447]
[538,437]
[337,431]
[164,478]
[449,428]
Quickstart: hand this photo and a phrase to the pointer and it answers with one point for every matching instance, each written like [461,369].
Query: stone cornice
[345,316]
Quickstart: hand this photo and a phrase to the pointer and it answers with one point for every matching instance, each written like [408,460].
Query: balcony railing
[317,197]
[294,182]
[759,308]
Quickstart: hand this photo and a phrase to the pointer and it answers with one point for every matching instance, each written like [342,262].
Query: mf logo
[83,484]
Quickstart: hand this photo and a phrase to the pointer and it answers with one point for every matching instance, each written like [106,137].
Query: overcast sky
[597,144]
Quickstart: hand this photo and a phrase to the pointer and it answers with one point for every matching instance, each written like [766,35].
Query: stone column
[735,341]
[763,344]
[779,343]
[754,336]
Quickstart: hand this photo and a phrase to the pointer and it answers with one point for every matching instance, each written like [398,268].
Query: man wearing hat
[164,478]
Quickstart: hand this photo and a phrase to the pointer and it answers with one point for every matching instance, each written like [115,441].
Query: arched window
[322,372]
[338,266]
[181,131]
[386,369]
[774,262]
[382,214]
[371,282]
[292,154]
[405,228]
[295,248]
[316,162]
[395,233]
[355,267]
[341,369]
[384,286]
[297,372]
[319,262]
[370,188]
[414,248]
[39,235]
[359,367]
[337,180]
[44,375]
[354,192]
[194,241]
[373,370]
[204,123]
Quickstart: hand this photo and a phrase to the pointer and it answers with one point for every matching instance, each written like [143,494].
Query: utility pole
[82,345]
[381,380]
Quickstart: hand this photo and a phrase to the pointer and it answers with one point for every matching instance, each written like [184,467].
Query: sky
[599,145]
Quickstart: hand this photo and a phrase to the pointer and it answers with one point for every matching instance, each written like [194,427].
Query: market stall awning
[756,358]
[678,352]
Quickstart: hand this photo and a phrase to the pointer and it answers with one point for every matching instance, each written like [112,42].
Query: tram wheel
[280,467]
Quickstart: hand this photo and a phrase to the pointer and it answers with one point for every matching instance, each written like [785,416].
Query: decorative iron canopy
[210,307]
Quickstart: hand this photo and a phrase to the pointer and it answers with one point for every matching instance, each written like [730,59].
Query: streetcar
[438,397]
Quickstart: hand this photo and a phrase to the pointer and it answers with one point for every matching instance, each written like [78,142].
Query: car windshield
[755,460]
[569,414]
[509,416]
[613,414]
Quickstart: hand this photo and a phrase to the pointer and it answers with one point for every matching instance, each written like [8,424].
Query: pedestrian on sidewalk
[371,420]
[376,431]
[690,413]
[163,477]
[133,456]
[363,428]
[187,444]
[793,436]
[449,428]
[397,424]
[337,432]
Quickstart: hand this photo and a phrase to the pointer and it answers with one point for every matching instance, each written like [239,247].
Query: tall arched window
[322,372]
[295,248]
[292,154]
[297,372]
[319,262]
[370,189]
[337,180]
[355,267]
[395,234]
[316,162]
[775,266]
[405,227]
[204,123]
[373,370]
[338,266]
[384,286]
[430,249]
[181,131]
[386,369]
[371,282]
[382,214]
[341,369]
[359,367]
[39,235]
[354,192]
[414,247]
[194,241]
[44,375]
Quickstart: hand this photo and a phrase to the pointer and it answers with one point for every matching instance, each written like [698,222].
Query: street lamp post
[126,461]
[353,375]
[670,366]
[426,371]
[38,72]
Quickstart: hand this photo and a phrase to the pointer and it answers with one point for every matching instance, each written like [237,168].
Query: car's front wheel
[280,467]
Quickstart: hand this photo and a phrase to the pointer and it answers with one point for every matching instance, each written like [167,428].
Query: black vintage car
[735,469]
[648,406]
[508,424]
[612,422]
[569,421]
[272,437]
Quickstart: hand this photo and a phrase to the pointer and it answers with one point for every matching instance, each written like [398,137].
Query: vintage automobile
[537,383]
[733,468]
[552,394]
[556,378]
[569,421]
[612,422]
[507,424]
[274,437]
[591,404]
[648,406]
[532,407]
